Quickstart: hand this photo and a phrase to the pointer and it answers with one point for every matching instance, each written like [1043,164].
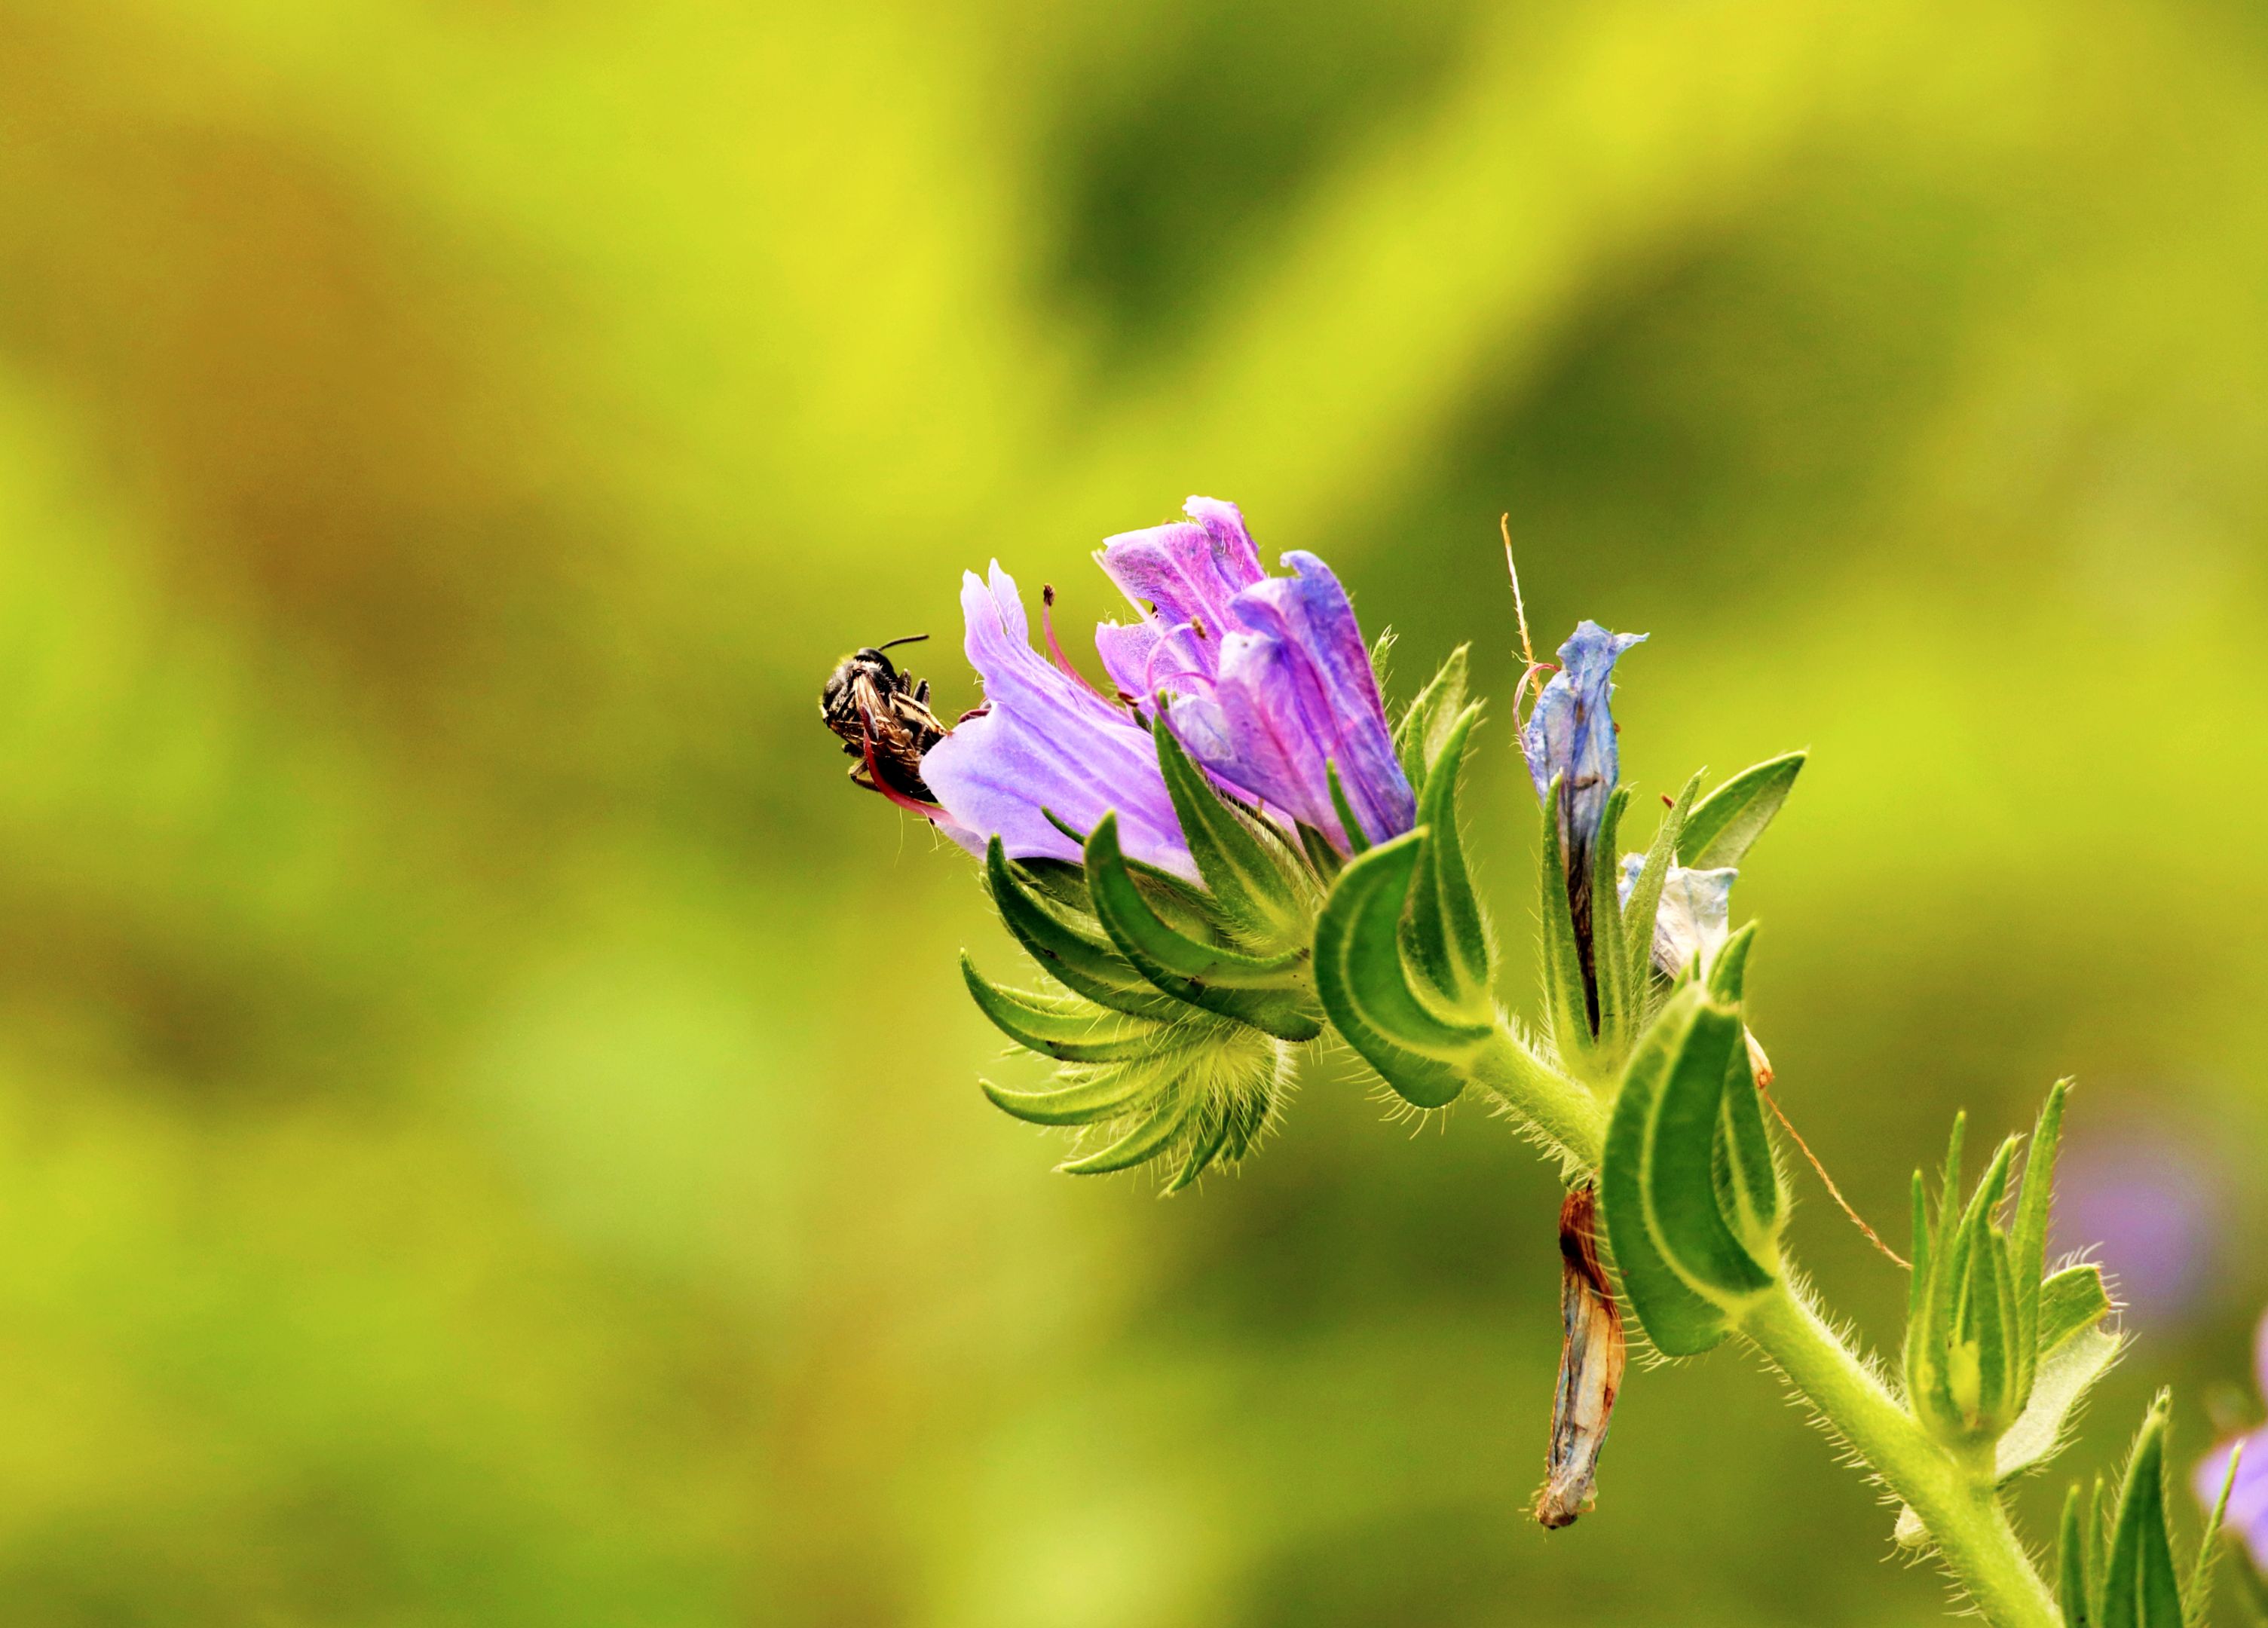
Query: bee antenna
[910,639]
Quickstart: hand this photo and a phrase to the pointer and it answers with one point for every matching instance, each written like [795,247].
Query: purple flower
[1044,742]
[2145,1194]
[2248,1501]
[1694,918]
[1269,683]
[1570,736]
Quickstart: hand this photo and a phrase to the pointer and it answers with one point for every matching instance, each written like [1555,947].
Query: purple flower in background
[1269,681]
[2144,1196]
[1570,736]
[1044,742]
[2247,1500]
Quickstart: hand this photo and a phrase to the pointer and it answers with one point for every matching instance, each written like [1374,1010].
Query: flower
[1044,744]
[1270,684]
[1570,736]
[2247,1500]
[1694,916]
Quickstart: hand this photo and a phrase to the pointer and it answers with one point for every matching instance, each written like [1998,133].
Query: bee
[883,718]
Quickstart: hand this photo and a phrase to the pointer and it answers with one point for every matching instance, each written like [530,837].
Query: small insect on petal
[1591,1358]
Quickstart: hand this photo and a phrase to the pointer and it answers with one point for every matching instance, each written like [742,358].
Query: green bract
[1689,1187]
[1404,963]
[2116,1569]
[1178,1000]
[1989,1334]
[1725,824]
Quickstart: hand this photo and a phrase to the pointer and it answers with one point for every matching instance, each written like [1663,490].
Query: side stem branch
[1961,1510]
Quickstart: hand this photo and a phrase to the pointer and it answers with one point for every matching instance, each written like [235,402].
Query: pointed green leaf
[1322,859]
[1449,939]
[1072,1031]
[1948,1194]
[1358,840]
[1727,822]
[1646,894]
[1568,1009]
[1420,737]
[1249,876]
[2072,1592]
[2029,1238]
[1141,1143]
[1682,1154]
[1751,1175]
[1728,975]
[1203,1148]
[1918,1278]
[1261,992]
[1364,985]
[1185,907]
[1622,991]
[1679,1320]
[1247,1117]
[2141,1587]
[2066,1372]
[1099,1095]
[1077,960]
[2197,1598]
[2098,1548]
[2072,1300]
[1059,881]
[1994,1326]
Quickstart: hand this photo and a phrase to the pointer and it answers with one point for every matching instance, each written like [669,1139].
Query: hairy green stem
[1961,1511]
[1956,1503]
[1566,1113]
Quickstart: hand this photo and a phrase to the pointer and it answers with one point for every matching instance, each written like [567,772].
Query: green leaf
[2141,1587]
[1072,1031]
[1918,1278]
[2029,1240]
[1974,1319]
[1728,975]
[1622,992]
[1750,1183]
[2074,1353]
[1679,1320]
[2072,1300]
[1077,960]
[1102,1094]
[1255,990]
[1059,881]
[1185,906]
[1250,877]
[1683,1267]
[1142,1143]
[1448,938]
[1681,1152]
[1568,1013]
[1358,840]
[1364,985]
[1424,730]
[1725,824]
[2073,1569]
[2198,1598]
[1646,894]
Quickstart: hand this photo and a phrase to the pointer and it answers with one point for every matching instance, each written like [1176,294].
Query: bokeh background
[489,1130]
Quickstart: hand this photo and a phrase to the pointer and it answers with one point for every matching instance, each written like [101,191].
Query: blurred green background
[489,1130]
